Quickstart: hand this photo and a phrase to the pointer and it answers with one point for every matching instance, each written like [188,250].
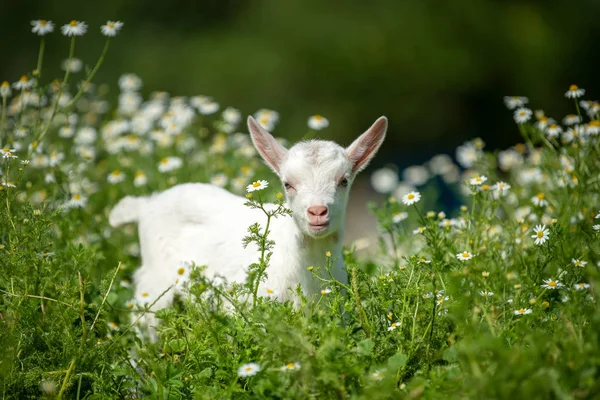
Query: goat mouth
[318,227]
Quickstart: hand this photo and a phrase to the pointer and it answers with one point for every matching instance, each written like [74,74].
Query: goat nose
[318,211]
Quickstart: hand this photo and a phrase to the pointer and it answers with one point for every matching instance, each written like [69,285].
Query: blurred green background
[437,69]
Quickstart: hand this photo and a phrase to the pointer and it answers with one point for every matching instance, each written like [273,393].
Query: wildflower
[325,291]
[115,177]
[377,375]
[77,201]
[271,292]
[140,179]
[384,180]
[327,254]
[130,83]
[522,115]
[553,130]
[541,234]
[478,180]
[486,294]
[208,107]
[500,188]
[295,366]
[42,27]
[571,119]
[464,256]
[581,286]
[318,122]
[411,198]
[419,230]
[597,216]
[578,263]
[574,92]
[596,227]
[258,185]
[232,116]
[5,89]
[24,83]
[513,102]
[125,283]
[169,164]
[424,261]
[24,162]
[249,369]
[74,28]
[111,28]
[485,274]
[551,284]
[113,326]
[399,217]
[539,200]
[73,64]
[467,154]
[393,326]
[8,184]
[522,311]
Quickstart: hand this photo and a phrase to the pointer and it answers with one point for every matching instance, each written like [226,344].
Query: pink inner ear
[271,151]
[365,147]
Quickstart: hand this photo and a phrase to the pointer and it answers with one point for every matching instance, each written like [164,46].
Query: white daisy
[317,122]
[384,180]
[596,227]
[419,230]
[42,27]
[271,292]
[571,119]
[24,83]
[74,64]
[523,311]
[574,92]
[258,185]
[130,83]
[501,188]
[113,326]
[74,28]
[140,179]
[551,284]
[553,130]
[399,217]
[393,326]
[513,102]
[295,366]
[477,180]
[5,90]
[541,234]
[486,294]
[411,198]
[208,108]
[249,369]
[539,200]
[169,164]
[581,286]
[111,28]
[8,184]
[115,177]
[232,116]
[182,272]
[464,256]
[578,263]
[522,115]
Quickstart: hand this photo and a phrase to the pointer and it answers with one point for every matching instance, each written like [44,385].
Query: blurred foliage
[438,70]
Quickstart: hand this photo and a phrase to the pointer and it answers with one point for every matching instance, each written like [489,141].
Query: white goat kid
[205,224]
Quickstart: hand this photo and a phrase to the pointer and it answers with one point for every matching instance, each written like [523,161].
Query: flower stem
[38,70]
[91,75]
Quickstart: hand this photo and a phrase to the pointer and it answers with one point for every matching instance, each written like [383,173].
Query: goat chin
[205,224]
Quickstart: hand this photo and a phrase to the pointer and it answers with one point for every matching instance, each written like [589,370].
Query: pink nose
[318,211]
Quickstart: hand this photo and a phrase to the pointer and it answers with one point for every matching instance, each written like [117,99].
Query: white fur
[205,224]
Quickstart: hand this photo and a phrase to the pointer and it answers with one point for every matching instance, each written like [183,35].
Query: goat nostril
[318,211]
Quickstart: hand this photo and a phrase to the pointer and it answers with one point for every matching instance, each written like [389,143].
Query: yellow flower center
[77,197]
[543,119]
[139,174]
[164,161]
[270,291]
[256,184]
[553,126]
[6,150]
[465,254]
[310,268]
[5,84]
[318,117]
[485,187]
[145,294]
[328,254]
[522,311]
[73,23]
[410,196]
[116,173]
[540,196]
[522,113]
[572,88]
[111,25]
[290,366]
[24,79]
[264,120]
[540,234]
[43,22]
[181,271]
[248,369]
[595,122]
[552,283]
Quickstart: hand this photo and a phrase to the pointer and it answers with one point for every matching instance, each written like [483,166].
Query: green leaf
[450,354]
[397,361]
[365,347]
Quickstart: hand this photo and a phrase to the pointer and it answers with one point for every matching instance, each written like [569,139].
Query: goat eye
[344,182]
[287,186]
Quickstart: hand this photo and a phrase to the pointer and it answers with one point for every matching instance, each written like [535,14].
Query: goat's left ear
[269,148]
[362,150]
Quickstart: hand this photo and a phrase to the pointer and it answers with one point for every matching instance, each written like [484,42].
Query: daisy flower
[208,107]
[571,119]
[553,130]
[513,102]
[500,188]
[325,291]
[539,200]
[182,271]
[399,217]
[574,92]
[77,201]
[73,65]
[522,115]
[486,294]
[130,83]
[377,375]
[24,83]
[551,284]
[295,366]
[578,263]
[477,180]
[232,116]
[258,185]
[541,234]
[8,184]
[74,28]
[111,28]
[249,369]
[113,326]
[596,227]
[464,256]
[115,177]
[581,286]
[411,198]
[598,216]
[140,179]
[42,27]
[169,164]
[5,89]
[393,326]
[271,292]
[522,311]
[384,180]
[318,122]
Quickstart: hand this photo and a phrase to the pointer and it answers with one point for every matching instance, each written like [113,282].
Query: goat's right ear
[364,148]
[271,151]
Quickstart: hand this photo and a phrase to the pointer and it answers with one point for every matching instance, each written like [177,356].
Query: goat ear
[364,148]
[271,151]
